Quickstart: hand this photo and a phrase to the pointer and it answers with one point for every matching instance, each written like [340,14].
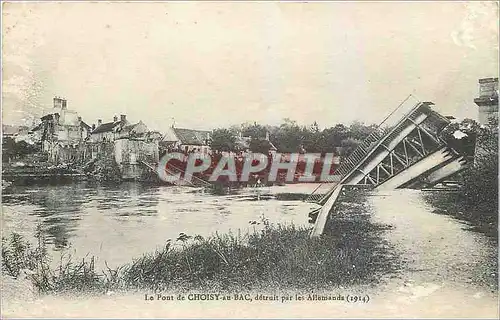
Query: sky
[216,64]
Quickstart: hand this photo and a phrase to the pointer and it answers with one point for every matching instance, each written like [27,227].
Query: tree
[222,140]
[348,146]
[259,146]
[311,137]
[480,180]
[288,137]
[359,131]
[17,150]
[462,136]
[255,131]
[8,149]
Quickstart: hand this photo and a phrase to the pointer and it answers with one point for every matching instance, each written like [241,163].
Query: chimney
[99,122]
[123,118]
[115,118]
[79,119]
[93,126]
[57,102]
[60,103]
[488,87]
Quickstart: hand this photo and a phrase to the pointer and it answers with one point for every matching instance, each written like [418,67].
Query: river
[117,223]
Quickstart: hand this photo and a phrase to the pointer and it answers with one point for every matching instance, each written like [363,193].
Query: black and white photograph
[249,159]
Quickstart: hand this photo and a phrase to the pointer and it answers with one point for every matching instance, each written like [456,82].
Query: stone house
[109,131]
[62,134]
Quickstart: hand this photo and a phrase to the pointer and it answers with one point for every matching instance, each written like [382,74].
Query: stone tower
[488,100]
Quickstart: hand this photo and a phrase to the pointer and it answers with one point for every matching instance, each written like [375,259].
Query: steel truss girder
[414,148]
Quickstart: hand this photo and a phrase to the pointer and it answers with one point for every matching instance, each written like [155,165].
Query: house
[120,129]
[109,131]
[137,130]
[61,133]
[187,140]
[61,125]
[135,146]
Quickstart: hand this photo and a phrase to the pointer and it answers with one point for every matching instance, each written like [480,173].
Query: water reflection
[61,207]
[119,222]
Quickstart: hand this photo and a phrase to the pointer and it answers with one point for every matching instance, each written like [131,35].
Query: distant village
[63,138]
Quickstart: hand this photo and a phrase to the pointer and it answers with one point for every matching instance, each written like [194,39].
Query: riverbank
[481,219]
[272,257]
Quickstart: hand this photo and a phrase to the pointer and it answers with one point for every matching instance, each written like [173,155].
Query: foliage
[259,145]
[18,254]
[292,137]
[104,169]
[23,259]
[222,140]
[359,131]
[288,137]
[348,146]
[481,180]
[12,150]
[255,131]
[464,144]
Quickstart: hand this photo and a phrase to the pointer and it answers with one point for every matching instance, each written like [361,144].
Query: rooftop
[106,127]
[192,137]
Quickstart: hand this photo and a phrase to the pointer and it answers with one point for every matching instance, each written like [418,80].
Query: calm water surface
[117,223]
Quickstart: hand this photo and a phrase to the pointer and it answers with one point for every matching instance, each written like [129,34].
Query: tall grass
[21,258]
[277,257]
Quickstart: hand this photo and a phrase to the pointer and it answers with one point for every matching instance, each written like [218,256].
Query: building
[487,101]
[187,140]
[132,156]
[132,146]
[62,133]
[109,131]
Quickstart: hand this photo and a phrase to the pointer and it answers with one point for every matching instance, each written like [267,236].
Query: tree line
[289,137]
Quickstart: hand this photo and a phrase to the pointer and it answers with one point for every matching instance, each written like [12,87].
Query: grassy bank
[481,216]
[277,257]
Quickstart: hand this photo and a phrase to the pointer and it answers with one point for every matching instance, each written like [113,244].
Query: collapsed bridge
[405,151]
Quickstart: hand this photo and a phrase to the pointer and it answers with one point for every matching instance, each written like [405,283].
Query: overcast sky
[208,65]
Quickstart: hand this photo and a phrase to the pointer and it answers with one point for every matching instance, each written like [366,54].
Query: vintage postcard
[240,159]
